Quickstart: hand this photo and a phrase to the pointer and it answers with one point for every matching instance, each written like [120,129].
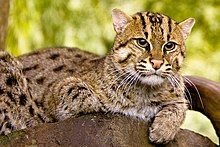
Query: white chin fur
[152,80]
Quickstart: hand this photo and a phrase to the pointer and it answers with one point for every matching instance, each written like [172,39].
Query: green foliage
[200,124]
[87,24]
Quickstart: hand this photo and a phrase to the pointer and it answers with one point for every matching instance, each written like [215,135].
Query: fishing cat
[139,77]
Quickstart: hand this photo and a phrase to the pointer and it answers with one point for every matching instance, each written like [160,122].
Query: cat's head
[149,46]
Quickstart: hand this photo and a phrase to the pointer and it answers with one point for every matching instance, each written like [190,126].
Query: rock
[97,130]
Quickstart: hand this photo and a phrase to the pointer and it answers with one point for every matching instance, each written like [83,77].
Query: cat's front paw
[160,134]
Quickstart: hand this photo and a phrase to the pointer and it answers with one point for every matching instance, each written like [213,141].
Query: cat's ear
[187,26]
[120,20]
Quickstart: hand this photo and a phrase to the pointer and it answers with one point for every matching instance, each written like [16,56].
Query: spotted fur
[139,78]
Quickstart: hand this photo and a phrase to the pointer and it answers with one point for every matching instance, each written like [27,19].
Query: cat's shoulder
[55,57]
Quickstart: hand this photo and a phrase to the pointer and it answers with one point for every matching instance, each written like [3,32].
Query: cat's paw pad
[160,135]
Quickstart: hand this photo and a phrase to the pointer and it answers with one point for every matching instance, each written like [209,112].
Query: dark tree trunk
[97,130]
[101,130]
[206,99]
[4,12]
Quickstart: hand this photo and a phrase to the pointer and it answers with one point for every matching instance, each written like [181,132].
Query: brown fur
[138,78]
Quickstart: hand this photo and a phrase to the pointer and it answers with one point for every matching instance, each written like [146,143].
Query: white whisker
[176,81]
[172,83]
[133,81]
[197,91]
[118,76]
[124,81]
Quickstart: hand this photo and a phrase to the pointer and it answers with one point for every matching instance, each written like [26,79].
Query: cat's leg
[71,97]
[167,122]
[16,109]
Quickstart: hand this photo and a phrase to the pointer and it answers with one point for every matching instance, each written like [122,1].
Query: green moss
[7,139]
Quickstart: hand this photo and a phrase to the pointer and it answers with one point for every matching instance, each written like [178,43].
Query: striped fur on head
[151,45]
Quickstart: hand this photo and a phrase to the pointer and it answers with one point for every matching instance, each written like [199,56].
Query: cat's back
[44,67]
[59,60]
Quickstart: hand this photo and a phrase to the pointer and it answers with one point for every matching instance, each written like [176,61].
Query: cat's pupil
[169,45]
[142,41]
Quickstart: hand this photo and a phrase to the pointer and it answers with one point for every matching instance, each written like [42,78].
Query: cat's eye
[143,43]
[169,46]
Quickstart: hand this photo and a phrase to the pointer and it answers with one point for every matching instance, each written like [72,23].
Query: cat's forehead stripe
[155,21]
[146,34]
[143,21]
[169,24]
[155,18]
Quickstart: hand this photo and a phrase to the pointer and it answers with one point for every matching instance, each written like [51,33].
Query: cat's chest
[145,113]
[140,101]
[139,106]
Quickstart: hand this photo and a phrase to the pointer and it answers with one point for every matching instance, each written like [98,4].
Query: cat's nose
[156,63]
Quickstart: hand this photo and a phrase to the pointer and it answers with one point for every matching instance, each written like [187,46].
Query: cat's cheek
[168,58]
[180,59]
[122,55]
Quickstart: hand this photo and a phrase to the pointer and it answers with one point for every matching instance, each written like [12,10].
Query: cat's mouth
[153,74]
[152,79]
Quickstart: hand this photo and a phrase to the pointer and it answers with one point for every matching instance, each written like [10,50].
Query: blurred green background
[87,24]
